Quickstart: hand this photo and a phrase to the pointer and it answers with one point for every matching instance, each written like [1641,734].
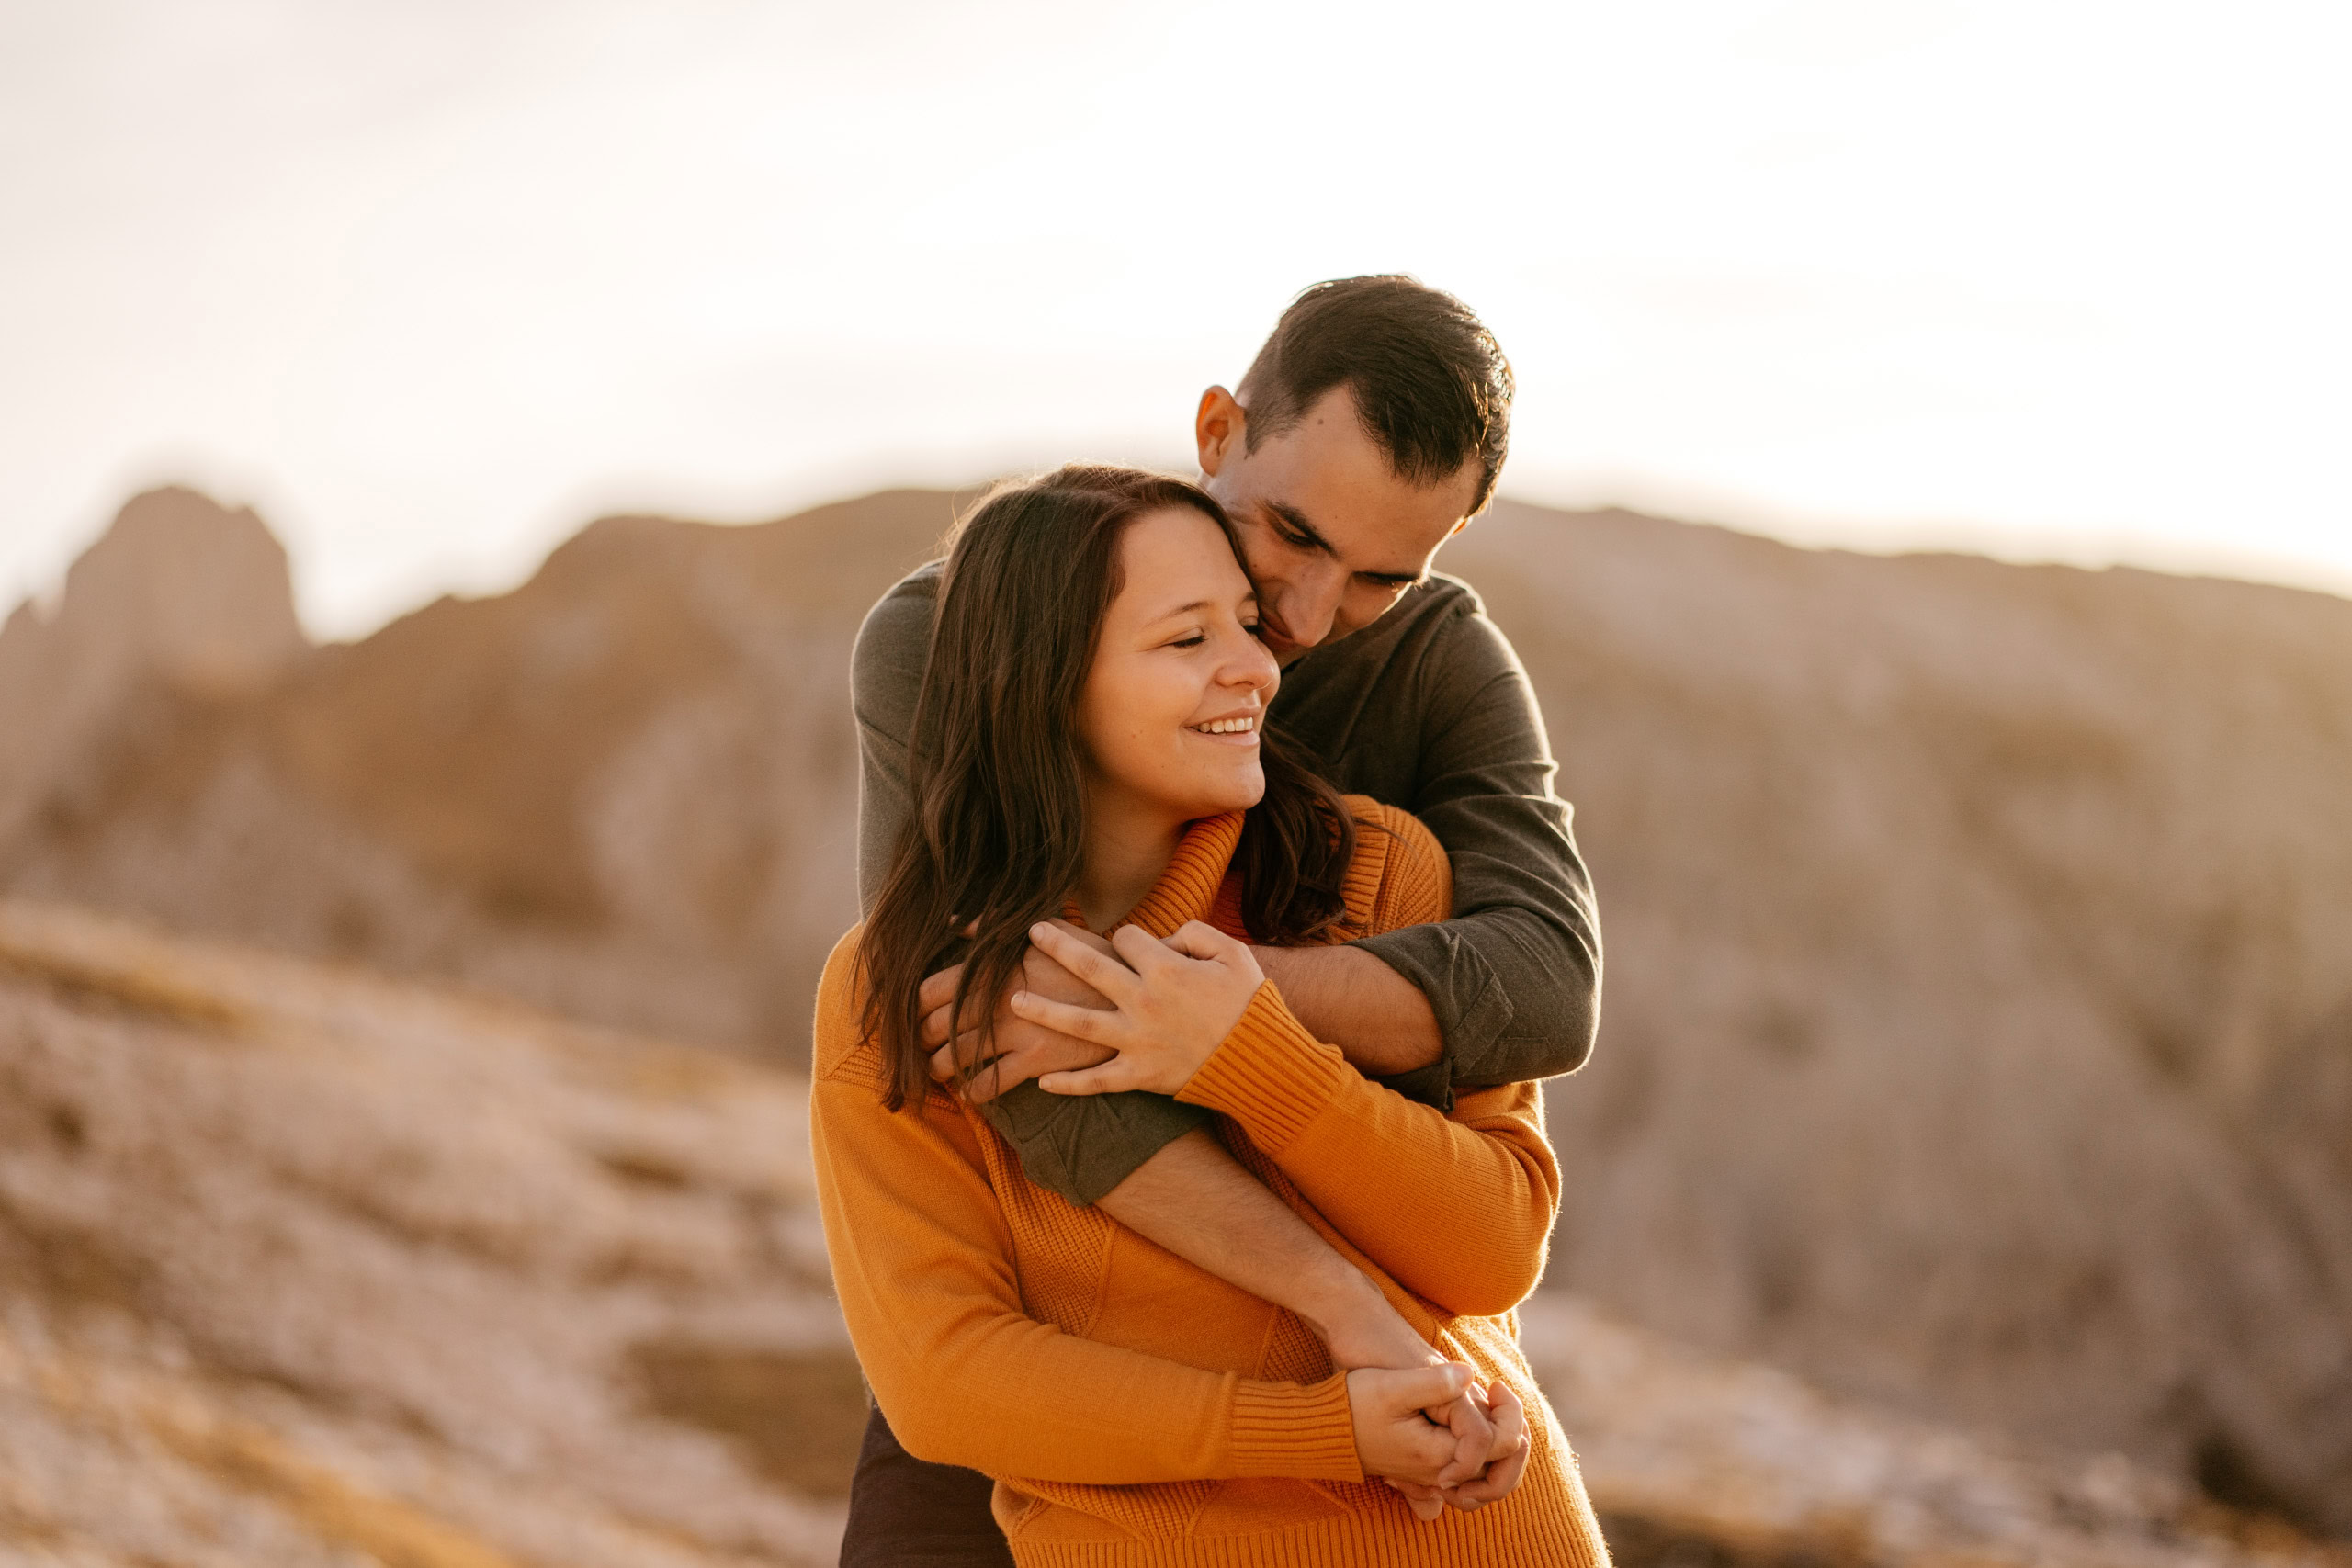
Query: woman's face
[1174,700]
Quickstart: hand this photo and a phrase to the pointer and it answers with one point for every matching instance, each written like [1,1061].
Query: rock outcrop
[180,597]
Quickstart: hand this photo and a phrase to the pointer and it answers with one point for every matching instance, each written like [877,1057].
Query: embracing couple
[1176,1118]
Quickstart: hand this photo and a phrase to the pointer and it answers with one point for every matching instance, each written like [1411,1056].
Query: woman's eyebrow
[1198,604]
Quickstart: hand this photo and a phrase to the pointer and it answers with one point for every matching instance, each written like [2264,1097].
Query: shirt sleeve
[885,676]
[1514,976]
[923,1266]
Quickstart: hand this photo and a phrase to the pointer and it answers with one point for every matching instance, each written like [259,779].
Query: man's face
[1333,535]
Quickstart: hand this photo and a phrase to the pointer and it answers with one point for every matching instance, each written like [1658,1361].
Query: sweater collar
[1187,890]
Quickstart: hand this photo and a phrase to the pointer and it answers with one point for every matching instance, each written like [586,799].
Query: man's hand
[1022,1049]
[1172,1003]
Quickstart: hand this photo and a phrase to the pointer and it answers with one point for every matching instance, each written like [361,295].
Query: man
[1369,429]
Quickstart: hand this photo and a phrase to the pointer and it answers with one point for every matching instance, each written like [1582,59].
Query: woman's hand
[1394,1439]
[1504,1465]
[1506,1460]
[1172,1003]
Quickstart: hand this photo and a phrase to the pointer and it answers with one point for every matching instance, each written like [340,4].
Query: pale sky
[432,283]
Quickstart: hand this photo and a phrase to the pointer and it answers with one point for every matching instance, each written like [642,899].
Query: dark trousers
[905,1513]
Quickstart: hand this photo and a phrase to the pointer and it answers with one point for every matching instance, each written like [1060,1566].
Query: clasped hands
[1439,1436]
[1090,1016]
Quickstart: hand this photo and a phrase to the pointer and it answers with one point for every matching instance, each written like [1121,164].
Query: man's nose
[1312,605]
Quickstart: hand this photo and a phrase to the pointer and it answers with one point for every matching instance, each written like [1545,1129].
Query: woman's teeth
[1224,725]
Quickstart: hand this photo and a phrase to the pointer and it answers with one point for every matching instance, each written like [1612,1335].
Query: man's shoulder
[914,595]
[894,640]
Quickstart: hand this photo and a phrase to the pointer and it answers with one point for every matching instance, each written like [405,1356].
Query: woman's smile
[1240,729]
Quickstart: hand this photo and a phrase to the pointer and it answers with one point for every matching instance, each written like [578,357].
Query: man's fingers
[1143,951]
[1100,970]
[938,990]
[935,1022]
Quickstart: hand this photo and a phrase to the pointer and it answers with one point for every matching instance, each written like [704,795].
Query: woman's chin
[1238,793]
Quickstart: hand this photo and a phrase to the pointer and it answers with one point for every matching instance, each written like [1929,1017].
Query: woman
[1088,742]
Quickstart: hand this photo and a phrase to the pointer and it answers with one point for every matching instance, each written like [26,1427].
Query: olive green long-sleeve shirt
[1426,708]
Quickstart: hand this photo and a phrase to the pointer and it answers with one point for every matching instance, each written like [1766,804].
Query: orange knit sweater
[1135,1409]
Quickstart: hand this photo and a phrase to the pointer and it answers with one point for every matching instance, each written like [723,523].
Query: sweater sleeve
[1456,1207]
[924,1265]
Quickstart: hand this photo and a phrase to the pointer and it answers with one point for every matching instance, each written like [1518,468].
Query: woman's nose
[1254,665]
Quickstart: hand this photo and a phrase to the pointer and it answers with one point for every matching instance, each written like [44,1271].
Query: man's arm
[1508,989]
[1514,977]
[1346,994]
[885,676]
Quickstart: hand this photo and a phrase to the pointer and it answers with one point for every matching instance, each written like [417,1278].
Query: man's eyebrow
[1296,522]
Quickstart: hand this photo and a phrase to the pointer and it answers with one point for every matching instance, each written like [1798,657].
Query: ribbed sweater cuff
[1296,1430]
[1269,1074]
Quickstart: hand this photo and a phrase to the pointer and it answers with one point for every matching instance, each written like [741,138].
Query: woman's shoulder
[1399,875]
[840,1046]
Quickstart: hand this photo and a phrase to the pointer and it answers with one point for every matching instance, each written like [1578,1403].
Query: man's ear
[1218,427]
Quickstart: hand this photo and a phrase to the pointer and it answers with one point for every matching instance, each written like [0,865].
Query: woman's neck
[1129,844]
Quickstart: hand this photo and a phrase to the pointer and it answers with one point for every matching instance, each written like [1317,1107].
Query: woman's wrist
[1360,1328]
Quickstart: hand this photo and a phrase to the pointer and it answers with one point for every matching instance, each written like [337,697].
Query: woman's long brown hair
[996,763]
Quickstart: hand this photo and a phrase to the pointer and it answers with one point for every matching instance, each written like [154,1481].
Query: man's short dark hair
[1431,384]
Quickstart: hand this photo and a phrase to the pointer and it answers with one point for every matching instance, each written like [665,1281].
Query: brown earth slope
[298,1266]
[1979,1022]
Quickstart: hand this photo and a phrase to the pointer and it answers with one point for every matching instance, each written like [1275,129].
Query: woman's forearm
[922,1266]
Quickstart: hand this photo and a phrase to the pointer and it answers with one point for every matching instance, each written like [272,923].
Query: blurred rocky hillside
[1978,1038]
[300,1266]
